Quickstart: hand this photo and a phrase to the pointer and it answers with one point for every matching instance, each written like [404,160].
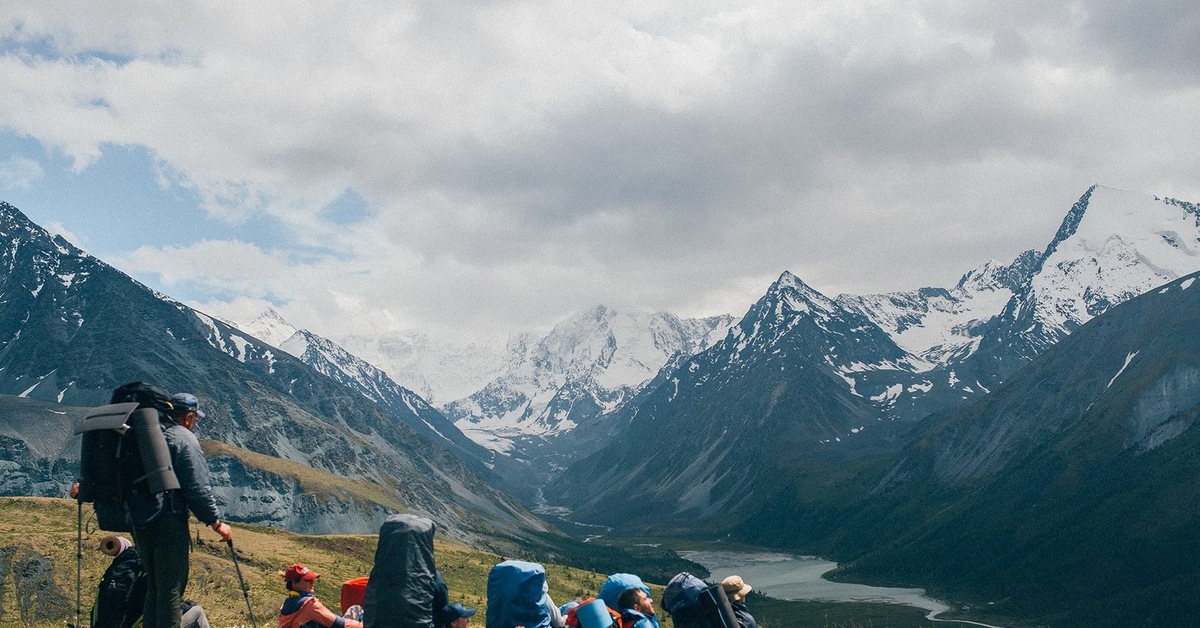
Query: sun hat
[735,588]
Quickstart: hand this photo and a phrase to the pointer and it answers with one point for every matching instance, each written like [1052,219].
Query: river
[788,577]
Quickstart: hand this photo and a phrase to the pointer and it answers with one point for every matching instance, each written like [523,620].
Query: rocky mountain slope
[805,378]
[1070,489]
[335,362]
[73,328]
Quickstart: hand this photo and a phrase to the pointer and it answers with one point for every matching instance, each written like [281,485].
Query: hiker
[736,590]
[302,609]
[618,583]
[517,596]
[456,615]
[441,601]
[637,609]
[402,586]
[556,616]
[160,520]
[122,590]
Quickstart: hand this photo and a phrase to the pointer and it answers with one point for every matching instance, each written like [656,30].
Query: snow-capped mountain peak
[586,366]
[1112,246]
[270,327]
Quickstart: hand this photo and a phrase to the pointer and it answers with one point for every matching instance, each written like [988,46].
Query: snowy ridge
[586,366]
[1113,246]
[938,325]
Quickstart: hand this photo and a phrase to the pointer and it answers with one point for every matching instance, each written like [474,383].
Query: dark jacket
[122,592]
[744,618]
[192,471]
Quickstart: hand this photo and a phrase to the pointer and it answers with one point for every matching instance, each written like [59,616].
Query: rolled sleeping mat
[594,614]
[717,607]
[152,447]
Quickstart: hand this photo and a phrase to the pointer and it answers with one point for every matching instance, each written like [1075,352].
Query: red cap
[299,572]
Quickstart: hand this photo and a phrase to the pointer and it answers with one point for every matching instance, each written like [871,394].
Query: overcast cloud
[495,166]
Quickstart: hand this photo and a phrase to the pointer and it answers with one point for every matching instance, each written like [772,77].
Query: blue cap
[617,584]
[456,611]
[187,401]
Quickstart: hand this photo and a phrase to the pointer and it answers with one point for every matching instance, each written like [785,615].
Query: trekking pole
[237,566]
[78,562]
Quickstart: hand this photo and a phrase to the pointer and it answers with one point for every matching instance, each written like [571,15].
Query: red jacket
[297,611]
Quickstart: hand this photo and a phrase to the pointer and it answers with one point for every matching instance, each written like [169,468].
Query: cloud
[509,162]
[19,173]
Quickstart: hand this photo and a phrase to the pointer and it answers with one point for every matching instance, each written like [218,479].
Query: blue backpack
[693,603]
[516,593]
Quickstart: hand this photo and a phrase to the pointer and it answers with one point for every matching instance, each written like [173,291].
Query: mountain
[940,325]
[557,393]
[73,328]
[1068,491]
[717,437]
[804,382]
[331,360]
[1112,245]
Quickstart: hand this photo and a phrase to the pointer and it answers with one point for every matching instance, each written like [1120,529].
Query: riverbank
[790,578]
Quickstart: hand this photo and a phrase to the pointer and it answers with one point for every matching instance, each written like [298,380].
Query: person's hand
[223,529]
[75,490]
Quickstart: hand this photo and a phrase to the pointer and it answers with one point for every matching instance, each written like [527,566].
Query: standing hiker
[160,520]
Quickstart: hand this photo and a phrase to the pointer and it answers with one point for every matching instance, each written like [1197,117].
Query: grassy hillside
[37,573]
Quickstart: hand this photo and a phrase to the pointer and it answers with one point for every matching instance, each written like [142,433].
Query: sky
[472,169]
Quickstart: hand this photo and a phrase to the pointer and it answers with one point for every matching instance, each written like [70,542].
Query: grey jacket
[194,493]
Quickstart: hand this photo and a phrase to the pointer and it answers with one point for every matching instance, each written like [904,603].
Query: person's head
[113,545]
[735,588]
[636,599]
[299,578]
[186,410]
[457,616]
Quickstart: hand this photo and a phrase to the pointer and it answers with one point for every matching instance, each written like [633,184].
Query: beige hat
[735,588]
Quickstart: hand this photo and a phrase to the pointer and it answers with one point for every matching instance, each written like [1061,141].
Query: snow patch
[924,387]
[890,395]
[1128,359]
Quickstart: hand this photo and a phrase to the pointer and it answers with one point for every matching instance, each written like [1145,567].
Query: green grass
[31,526]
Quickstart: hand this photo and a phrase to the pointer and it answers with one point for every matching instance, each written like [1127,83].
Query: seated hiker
[456,615]
[618,583]
[302,609]
[736,590]
[193,616]
[516,595]
[556,616]
[122,588]
[637,609]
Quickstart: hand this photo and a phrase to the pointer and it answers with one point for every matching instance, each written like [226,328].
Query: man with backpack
[160,520]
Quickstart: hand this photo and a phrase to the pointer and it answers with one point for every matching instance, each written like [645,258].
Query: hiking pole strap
[238,567]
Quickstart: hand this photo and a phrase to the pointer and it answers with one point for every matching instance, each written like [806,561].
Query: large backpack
[592,613]
[403,582]
[122,445]
[516,592]
[694,603]
[122,592]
